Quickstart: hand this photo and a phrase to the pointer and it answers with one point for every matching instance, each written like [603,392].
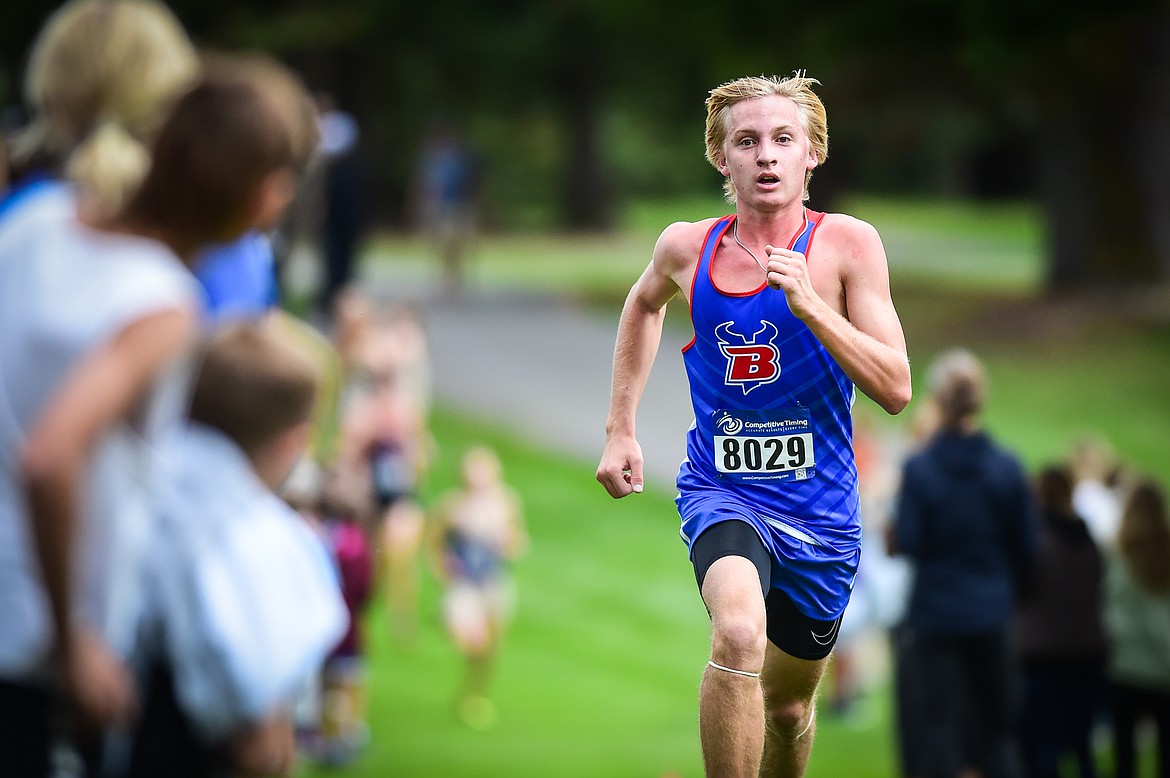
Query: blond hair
[255,383]
[797,87]
[101,76]
[480,462]
[958,386]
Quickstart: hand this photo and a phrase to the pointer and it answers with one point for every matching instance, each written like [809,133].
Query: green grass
[599,673]
[993,247]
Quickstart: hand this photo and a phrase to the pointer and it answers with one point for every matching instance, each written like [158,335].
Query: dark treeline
[577,105]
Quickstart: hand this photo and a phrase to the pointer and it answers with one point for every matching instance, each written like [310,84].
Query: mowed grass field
[599,672]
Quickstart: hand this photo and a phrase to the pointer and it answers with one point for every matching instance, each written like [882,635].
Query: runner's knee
[738,640]
[787,718]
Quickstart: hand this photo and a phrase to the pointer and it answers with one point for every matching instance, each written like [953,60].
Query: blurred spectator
[374,337]
[1137,619]
[1060,637]
[910,695]
[966,517]
[114,297]
[303,491]
[247,604]
[478,530]
[446,198]
[343,731]
[94,320]
[1096,476]
[240,278]
[384,437]
[99,80]
[345,199]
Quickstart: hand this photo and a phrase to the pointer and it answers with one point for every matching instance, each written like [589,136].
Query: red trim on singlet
[815,218]
[695,275]
[804,225]
[711,268]
[812,220]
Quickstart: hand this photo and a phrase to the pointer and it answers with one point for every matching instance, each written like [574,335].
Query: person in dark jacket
[966,518]
[1060,637]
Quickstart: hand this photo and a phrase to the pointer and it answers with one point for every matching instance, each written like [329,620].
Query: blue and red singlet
[772,441]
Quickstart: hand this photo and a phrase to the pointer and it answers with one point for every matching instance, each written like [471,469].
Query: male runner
[785,327]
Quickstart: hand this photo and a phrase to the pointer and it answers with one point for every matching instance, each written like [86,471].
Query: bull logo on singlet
[752,361]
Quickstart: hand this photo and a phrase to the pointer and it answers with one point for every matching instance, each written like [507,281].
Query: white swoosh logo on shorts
[827,638]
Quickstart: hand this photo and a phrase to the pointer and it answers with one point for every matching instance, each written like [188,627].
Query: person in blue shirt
[238,278]
[791,310]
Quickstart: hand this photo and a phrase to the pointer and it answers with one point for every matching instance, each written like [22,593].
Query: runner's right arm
[639,334]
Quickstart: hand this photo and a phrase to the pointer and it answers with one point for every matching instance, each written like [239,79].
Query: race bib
[764,445]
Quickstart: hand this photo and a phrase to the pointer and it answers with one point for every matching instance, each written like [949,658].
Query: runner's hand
[788,272]
[620,471]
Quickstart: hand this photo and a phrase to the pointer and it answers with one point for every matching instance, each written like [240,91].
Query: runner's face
[766,152]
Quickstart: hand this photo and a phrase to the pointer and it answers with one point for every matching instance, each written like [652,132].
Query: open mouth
[768,178]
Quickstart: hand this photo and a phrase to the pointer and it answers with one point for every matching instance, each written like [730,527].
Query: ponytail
[958,386]
[107,166]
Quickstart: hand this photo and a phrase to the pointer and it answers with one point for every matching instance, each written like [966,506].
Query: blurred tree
[1090,84]
[575,102]
[963,85]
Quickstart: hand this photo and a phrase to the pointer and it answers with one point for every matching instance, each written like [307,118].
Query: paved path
[542,366]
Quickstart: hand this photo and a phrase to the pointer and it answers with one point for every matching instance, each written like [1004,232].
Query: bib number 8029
[763,455]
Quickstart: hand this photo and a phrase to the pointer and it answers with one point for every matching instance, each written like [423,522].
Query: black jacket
[966,517]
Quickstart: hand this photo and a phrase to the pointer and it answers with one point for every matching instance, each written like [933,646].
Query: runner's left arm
[867,342]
